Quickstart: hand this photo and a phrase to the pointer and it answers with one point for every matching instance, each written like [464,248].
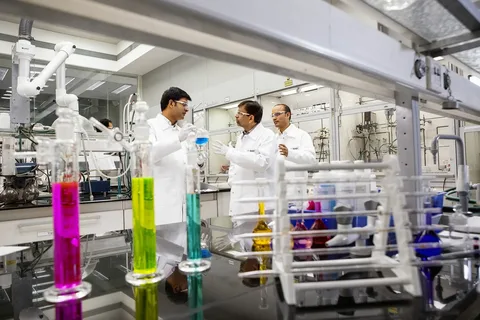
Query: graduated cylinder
[66,214]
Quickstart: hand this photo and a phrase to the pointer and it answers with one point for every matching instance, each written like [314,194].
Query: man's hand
[220,148]
[283,150]
[185,131]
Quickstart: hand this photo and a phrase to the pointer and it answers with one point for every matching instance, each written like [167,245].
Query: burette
[144,276]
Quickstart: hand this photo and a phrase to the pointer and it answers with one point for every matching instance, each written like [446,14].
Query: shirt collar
[254,132]
[168,122]
[289,131]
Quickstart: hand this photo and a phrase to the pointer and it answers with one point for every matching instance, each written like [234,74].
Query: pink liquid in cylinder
[67,264]
[69,310]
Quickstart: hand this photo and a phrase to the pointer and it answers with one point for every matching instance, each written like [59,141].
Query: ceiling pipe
[25,29]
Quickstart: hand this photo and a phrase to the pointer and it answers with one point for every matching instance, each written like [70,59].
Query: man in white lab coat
[169,160]
[294,144]
[253,157]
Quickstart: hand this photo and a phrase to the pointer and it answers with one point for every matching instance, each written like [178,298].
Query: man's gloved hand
[220,148]
[224,242]
[185,131]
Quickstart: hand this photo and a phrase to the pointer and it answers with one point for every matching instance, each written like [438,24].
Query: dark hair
[286,109]
[105,122]
[173,93]
[175,297]
[253,108]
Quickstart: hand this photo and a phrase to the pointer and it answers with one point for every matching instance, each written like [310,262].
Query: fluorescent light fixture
[289,92]
[122,88]
[310,88]
[68,80]
[36,65]
[95,85]
[230,106]
[3,73]
[9,91]
[6,98]
[440,58]
[7,94]
[51,79]
[475,80]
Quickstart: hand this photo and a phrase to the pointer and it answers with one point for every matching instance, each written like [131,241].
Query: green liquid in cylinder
[146,302]
[144,244]
[193,227]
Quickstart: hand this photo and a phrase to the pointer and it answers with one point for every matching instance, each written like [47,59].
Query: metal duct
[25,29]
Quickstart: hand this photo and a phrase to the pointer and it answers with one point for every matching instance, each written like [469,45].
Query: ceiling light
[95,85]
[35,65]
[122,88]
[3,73]
[9,91]
[230,106]
[393,5]
[439,58]
[6,98]
[310,88]
[51,79]
[68,80]
[7,94]
[289,92]
[475,80]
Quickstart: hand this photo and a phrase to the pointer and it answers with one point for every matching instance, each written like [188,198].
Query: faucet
[462,182]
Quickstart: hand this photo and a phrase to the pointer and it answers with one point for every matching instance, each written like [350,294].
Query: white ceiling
[63,30]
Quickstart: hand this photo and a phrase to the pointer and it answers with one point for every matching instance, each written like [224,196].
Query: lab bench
[25,223]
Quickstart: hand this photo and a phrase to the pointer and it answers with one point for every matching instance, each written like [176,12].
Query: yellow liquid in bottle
[262,243]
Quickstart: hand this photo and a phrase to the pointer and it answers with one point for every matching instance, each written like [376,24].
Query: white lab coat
[300,151]
[169,158]
[253,157]
[171,246]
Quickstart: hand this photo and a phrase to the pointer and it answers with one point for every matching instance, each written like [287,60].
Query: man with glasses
[294,144]
[169,159]
[252,158]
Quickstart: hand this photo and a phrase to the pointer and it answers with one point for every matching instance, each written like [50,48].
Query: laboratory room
[316,160]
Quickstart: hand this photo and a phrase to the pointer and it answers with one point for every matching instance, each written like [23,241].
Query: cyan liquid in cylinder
[69,310]
[144,245]
[67,264]
[195,295]
[193,226]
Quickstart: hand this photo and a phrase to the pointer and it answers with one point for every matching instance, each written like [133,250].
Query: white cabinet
[41,229]
[223,199]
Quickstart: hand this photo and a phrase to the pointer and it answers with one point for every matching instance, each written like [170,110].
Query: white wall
[208,82]
[212,83]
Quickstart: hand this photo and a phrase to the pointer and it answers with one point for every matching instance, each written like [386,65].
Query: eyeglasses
[185,104]
[276,114]
[243,114]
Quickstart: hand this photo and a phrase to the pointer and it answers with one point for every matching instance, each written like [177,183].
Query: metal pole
[334,126]
[409,149]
